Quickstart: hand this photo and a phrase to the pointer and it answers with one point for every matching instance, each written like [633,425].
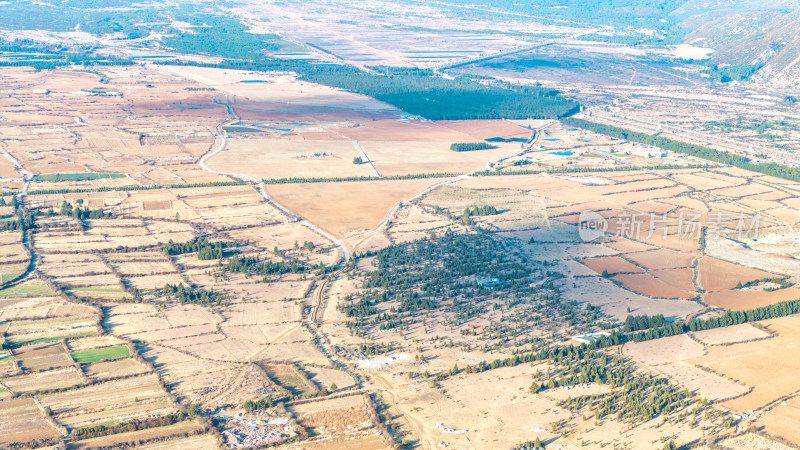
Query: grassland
[76,176]
[100,354]
[49,339]
[26,290]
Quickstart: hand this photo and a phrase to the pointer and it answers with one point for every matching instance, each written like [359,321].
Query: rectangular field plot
[90,342]
[280,158]
[42,308]
[289,378]
[23,421]
[144,322]
[730,335]
[134,256]
[199,381]
[12,271]
[63,267]
[114,369]
[782,420]
[324,377]
[13,256]
[99,293]
[403,157]
[259,313]
[22,332]
[107,281]
[249,288]
[169,332]
[745,363]
[150,282]
[303,352]
[366,202]
[134,437]
[196,442]
[27,290]
[104,235]
[144,267]
[335,413]
[119,400]
[101,354]
[708,385]
[42,356]
[224,350]
[53,379]
[611,265]
[266,334]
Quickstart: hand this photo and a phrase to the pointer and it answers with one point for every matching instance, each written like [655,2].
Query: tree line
[422,92]
[641,397]
[699,151]
[136,188]
[254,266]
[292,180]
[193,295]
[470,146]
[205,250]
[76,212]
[727,319]
[645,328]
[22,219]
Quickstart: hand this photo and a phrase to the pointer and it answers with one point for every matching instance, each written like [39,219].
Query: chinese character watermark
[637,225]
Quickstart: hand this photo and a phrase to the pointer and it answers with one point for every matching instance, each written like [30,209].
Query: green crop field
[27,291]
[9,276]
[101,354]
[76,176]
[48,339]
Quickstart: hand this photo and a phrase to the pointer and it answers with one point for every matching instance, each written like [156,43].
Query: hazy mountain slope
[693,7]
[775,46]
[719,28]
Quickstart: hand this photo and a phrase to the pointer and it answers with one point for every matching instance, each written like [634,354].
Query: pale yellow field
[410,157]
[121,400]
[346,208]
[746,362]
[274,158]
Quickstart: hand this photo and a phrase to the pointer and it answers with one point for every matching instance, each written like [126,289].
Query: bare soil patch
[662,259]
[730,335]
[707,385]
[23,422]
[652,287]
[611,264]
[348,207]
[665,350]
[719,275]
[747,362]
[744,299]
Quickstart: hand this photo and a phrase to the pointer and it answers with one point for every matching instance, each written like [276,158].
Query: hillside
[766,38]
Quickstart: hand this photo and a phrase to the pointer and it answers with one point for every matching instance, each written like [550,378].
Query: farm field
[744,361]
[135,437]
[410,300]
[100,354]
[24,422]
[123,400]
[279,158]
[367,202]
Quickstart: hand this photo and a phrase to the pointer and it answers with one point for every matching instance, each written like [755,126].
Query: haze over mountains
[760,39]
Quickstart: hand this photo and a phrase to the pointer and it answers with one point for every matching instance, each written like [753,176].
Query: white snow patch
[382,361]
[688,51]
